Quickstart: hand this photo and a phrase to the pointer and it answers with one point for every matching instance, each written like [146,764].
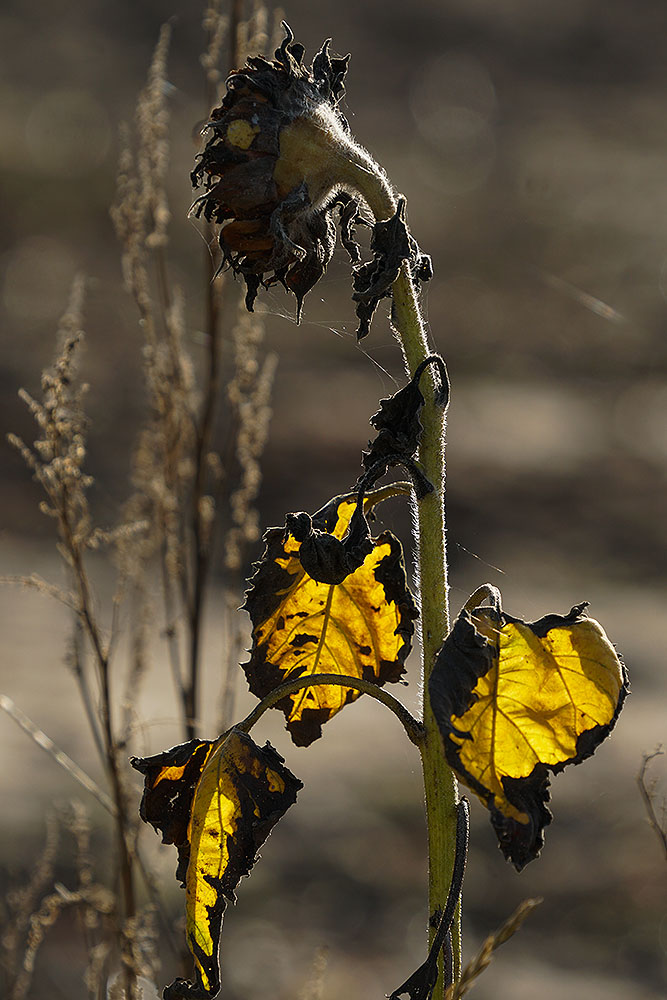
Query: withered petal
[391,245]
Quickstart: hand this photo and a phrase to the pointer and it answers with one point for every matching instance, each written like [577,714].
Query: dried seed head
[281,168]
[267,170]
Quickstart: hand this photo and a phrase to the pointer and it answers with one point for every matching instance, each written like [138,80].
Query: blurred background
[530,141]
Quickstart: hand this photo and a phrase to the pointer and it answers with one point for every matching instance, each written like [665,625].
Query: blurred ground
[530,141]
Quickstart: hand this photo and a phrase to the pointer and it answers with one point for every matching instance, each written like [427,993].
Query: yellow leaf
[217,801]
[361,627]
[515,700]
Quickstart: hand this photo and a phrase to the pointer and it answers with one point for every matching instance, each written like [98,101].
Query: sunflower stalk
[315,162]
[332,614]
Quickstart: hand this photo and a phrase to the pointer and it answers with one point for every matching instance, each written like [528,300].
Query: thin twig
[647,795]
[173,645]
[38,583]
[202,542]
[102,658]
[154,892]
[79,775]
[79,668]
[60,757]
[483,958]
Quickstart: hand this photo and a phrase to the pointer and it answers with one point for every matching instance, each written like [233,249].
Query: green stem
[440,787]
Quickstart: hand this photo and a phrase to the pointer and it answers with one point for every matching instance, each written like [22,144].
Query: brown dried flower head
[266,171]
[281,168]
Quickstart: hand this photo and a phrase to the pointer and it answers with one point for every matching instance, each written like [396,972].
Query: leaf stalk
[412,726]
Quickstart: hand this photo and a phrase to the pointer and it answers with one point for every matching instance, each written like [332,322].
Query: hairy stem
[440,787]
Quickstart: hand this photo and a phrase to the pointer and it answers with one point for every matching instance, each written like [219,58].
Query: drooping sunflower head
[267,170]
[281,171]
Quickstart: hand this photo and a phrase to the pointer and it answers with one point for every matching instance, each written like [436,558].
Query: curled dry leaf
[326,558]
[400,429]
[217,801]
[516,700]
[391,246]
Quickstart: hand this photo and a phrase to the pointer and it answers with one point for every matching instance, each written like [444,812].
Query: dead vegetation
[196,477]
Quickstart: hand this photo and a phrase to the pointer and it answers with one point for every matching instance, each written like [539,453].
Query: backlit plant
[505,702]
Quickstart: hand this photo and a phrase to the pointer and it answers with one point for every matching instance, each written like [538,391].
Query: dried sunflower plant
[504,702]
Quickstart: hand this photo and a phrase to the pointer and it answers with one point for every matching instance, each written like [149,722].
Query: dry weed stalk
[57,460]
[178,469]
[648,794]
[483,958]
[21,902]
[216,26]
[314,988]
[249,394]
[174,517]
[30,917]
[60,757]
